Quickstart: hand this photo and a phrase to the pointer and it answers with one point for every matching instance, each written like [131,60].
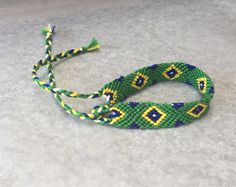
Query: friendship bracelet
[116,112]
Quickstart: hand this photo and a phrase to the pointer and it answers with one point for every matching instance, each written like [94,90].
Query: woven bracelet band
[116,112]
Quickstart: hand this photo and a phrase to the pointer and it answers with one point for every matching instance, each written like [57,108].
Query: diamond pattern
[115,114]
[202,85]
[177,105]
[154,115]
[172,72]
[139,81]
[111,95]
[197,110]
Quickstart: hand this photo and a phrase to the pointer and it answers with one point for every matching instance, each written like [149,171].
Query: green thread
[116,112]
[92,46]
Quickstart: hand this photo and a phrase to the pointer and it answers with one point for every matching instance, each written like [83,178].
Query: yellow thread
[74,94]
[52,57]
[62,104]
[41,82]
[47,89]
[199,114]
[179,72]
[205,85]
[82,117]
[133,84]
[93,48]
[91,115]
[115,119]
[76,50]
[162,115]
[114,94]
[63,54]
[74,112]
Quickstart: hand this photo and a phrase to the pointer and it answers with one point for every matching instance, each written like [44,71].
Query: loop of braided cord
[51,86]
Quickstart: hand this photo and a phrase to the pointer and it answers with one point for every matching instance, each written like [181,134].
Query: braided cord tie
[51,86]
[116,111]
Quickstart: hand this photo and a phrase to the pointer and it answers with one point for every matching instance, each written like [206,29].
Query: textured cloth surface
[43,146]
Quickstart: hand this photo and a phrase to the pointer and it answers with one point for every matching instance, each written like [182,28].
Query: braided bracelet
[116,112]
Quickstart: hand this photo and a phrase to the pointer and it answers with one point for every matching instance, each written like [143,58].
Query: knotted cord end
[92,46]
[48,29]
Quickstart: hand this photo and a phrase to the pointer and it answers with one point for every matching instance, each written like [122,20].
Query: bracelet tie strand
[116,112]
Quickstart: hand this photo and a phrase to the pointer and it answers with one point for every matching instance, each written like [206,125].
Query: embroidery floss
[116,112]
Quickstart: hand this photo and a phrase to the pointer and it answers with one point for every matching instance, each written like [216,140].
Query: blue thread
[153,67]
[190,67]
[95,107]
[153,82]
[212,91]
[124,98]
[95,96]
[71,51]
[178,123]
[188,82]
[114,114]
[202,85]
[109,94]
[133,104]
[120,79]
[140,81]
[47,85]
[134,126]
[154,115]
[197,109]
[177,105]
[172,73]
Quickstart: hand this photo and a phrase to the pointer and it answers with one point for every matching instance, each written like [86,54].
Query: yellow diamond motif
[115,114]
[154,115]
[197,110]
[111,95]
[172,72]
[139,81]
[202,84]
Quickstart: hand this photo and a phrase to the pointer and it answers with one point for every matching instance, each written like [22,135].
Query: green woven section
[116,112]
